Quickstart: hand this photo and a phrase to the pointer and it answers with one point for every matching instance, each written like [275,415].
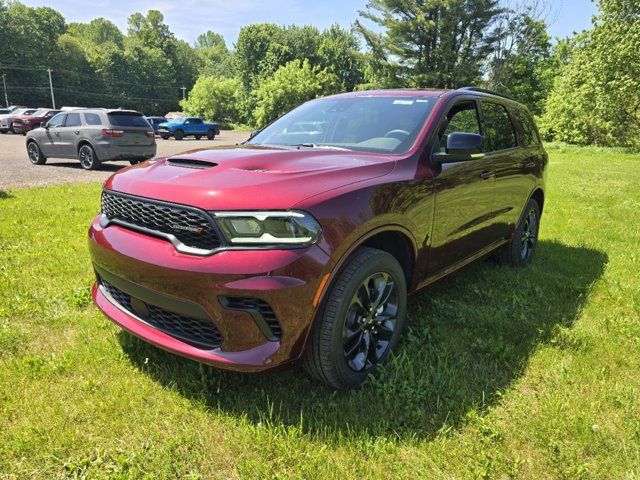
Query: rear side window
[127,120]
[527,129]
[73,120]
[92,119]
[498,130]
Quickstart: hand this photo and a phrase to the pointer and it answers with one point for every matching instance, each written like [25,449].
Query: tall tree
[430,43]
[596,99]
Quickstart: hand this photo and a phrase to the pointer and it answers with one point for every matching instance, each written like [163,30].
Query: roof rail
[486,90]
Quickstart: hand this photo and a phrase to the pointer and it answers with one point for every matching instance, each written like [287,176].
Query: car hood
[28,117]
[248,178]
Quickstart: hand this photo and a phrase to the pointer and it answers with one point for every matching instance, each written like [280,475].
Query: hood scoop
[190,163]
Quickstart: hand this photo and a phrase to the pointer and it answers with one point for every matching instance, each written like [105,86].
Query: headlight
[293,228]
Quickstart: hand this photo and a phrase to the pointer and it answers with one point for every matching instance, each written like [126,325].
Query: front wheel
[361,320]
[179,135]
[88,158]
[198,137]
[35,154]
[211,135]
[165,137]
[519,251]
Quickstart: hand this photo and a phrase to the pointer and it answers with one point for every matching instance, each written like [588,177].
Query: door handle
[529,164]
[485,175]
[77,132]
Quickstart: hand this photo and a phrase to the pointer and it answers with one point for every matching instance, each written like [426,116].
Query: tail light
[109,132]
[151,134]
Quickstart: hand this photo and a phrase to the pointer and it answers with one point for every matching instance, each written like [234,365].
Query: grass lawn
[528,373]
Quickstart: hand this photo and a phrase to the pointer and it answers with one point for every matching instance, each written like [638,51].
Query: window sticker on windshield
[403,102]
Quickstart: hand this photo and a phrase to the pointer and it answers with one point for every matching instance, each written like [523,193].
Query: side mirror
[461,147]
[45,125]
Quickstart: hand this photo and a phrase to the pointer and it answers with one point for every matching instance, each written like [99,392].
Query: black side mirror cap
[461,147]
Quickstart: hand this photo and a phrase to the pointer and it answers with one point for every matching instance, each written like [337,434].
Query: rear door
[507,157]
[51,144]
[463,222]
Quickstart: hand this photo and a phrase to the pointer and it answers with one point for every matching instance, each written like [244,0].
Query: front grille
[262,308]
[189,225]
[195,332]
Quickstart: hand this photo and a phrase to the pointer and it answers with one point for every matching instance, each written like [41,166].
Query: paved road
[16,171]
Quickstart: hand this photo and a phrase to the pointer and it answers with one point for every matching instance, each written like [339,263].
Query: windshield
[370,124]
[23,111]
[40,113]
[176,120]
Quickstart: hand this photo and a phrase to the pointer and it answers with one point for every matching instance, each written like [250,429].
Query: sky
[188,18]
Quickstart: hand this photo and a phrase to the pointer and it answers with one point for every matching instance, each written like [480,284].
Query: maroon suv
[25,123]
[303,242]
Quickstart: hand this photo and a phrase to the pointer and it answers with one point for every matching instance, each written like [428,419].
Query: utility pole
[53,99]
[184,89]
[4,84]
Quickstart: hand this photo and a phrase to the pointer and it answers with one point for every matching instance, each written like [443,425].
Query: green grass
[525,373]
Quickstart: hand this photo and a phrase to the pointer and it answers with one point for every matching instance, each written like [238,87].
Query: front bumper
[286,280]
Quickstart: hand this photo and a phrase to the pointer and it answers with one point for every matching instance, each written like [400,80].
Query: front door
[51,145]
[69,135]
[463,223]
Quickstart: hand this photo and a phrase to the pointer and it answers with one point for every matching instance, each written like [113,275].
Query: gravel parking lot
[16,171]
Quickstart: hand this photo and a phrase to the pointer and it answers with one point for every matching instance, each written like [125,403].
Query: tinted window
[374,124]
[73,120]
[498,130]
[196,121]
[92,119]
[127,120]
[58,120]
[527,128]
[463,117]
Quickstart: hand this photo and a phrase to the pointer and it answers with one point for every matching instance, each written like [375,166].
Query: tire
[339,354]
[88,158]
[135,162]
[165,137]
[520,250]
[35,154]
[198,137]
[179,135]
[211,135]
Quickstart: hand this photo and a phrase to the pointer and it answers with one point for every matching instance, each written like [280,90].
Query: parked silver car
[93,136]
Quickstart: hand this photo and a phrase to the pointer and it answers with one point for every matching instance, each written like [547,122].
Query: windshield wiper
[315,145]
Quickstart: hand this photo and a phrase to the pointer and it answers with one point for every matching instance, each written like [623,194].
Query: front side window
[73,120]
[369,124]
[463,117]
[58,120]
[498,130]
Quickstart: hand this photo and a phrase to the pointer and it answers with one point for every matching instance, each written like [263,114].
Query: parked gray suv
[93,136]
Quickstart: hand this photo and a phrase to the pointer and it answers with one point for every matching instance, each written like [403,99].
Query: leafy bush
[292,84]
[214,98]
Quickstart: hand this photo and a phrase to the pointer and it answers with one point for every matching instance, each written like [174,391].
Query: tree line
[583,89]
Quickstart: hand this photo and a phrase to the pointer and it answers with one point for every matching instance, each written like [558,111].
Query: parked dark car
[155,121]
[6,120]
[304,246]
[188,126]
[93,136]
[25,123]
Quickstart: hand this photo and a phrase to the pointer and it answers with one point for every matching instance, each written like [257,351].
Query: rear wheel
[35,154]
[211,135]
[361,321]
[519,251]
[179,135]
[88,158]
